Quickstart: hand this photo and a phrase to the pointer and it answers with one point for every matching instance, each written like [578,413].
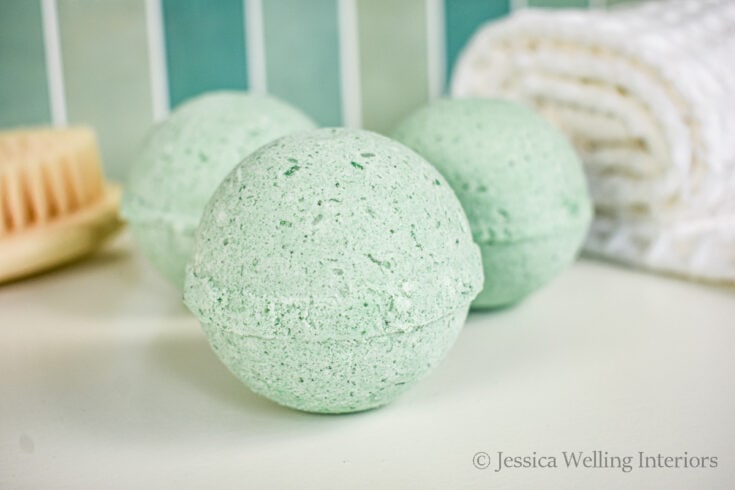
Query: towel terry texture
[647,96]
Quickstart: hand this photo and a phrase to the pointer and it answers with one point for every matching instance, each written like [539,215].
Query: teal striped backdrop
[118,65]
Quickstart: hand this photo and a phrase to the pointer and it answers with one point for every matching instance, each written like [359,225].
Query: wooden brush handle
[65,240]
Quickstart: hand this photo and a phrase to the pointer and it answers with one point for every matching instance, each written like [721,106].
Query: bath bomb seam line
[409,330]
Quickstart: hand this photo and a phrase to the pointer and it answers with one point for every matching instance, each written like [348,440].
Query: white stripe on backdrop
[349,56]
[54,67]
[157,58]
[436,46]
[255,45]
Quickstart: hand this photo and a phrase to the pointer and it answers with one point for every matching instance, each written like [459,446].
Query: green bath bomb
[184,159]
[332,270]
[520,182]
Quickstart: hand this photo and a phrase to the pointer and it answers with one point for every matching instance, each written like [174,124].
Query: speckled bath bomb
[185,158]
[332,270]
[519,181]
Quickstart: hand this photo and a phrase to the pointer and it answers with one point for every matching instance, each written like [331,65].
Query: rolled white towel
[647,96]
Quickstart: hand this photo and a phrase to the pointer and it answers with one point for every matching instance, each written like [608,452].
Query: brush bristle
[46,174]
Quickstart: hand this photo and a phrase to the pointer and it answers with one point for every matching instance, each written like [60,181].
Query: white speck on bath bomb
[332,270]
[184,159]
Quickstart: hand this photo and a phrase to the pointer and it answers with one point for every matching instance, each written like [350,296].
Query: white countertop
[107,382]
